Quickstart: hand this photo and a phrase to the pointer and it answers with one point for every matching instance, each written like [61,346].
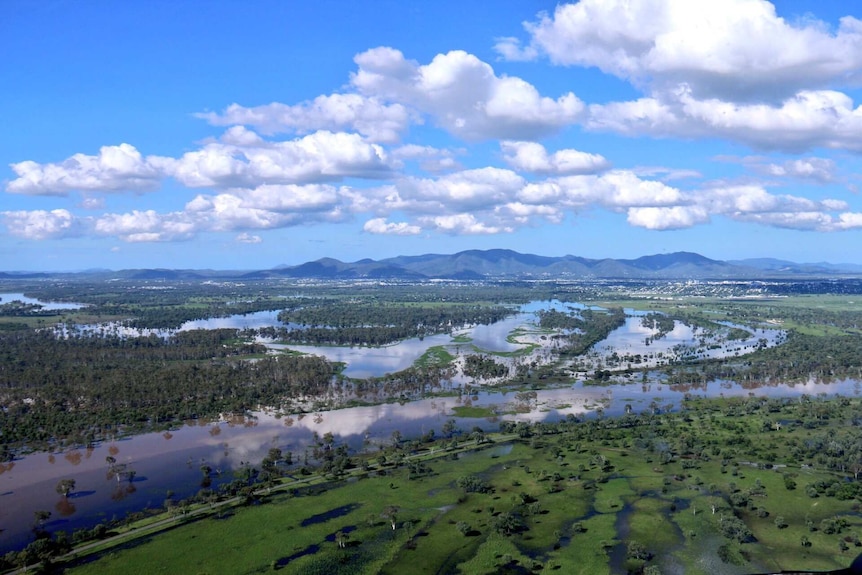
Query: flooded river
[172,461]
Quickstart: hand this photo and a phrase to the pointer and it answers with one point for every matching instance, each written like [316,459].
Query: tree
[506,523]
[637,550]
[41,516]
[65,487]
[341,539]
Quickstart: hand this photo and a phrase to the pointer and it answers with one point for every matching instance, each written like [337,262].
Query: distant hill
[497,264]
[500,263]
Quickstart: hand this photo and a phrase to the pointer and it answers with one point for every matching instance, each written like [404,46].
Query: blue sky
[244,135]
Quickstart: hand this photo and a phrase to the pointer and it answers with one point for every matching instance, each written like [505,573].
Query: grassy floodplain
[723,486]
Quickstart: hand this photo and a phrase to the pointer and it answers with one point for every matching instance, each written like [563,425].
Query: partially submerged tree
[65,487]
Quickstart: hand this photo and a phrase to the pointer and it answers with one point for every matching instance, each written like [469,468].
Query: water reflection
[131,474]
[172,461]
[46,305]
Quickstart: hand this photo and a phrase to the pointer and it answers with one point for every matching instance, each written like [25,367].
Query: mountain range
[500,264]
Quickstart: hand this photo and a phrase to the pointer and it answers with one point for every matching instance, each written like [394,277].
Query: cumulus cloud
[377,121]
[614,190]
[461,191]
[266,207]
[463,95]
[732,70]
[381,226]
[145,226]
[523,214]
[470,202]
[733,50]
[114,169]
[463,224]
[239,158]
[41,224]
[533,157]
[320,156]
[808,119]
[673,218]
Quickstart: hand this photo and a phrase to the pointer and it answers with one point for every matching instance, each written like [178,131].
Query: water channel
[46,305]
[172,461]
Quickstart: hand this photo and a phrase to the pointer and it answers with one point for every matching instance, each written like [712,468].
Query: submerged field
[736,485]
[725,486]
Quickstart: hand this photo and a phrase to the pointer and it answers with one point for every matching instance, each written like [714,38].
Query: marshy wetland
[535,426]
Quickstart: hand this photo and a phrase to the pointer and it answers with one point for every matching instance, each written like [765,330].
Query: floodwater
[50,306]
[172,461]
[254,320]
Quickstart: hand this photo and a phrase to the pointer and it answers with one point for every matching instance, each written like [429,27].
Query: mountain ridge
[495,264]
[505,263]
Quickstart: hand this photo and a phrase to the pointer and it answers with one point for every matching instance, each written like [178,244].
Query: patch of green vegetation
[437,356]
[473,411]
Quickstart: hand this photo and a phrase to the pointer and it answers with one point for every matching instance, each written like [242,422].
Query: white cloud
[673,218]
[733,70]
[430,159]
[377,121]
[810,221]
[733,49]
[476,189]
[114,169]
[320,156]
[285,198]
[246,238]
[241,158]
[510,49]
[464,95]
[41,224]
[381,226]
[808,119]
[849,221]
[523,214]
[615,190]
[241,136]
[533,157]
[145,226]
[463,224]
[821,170]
